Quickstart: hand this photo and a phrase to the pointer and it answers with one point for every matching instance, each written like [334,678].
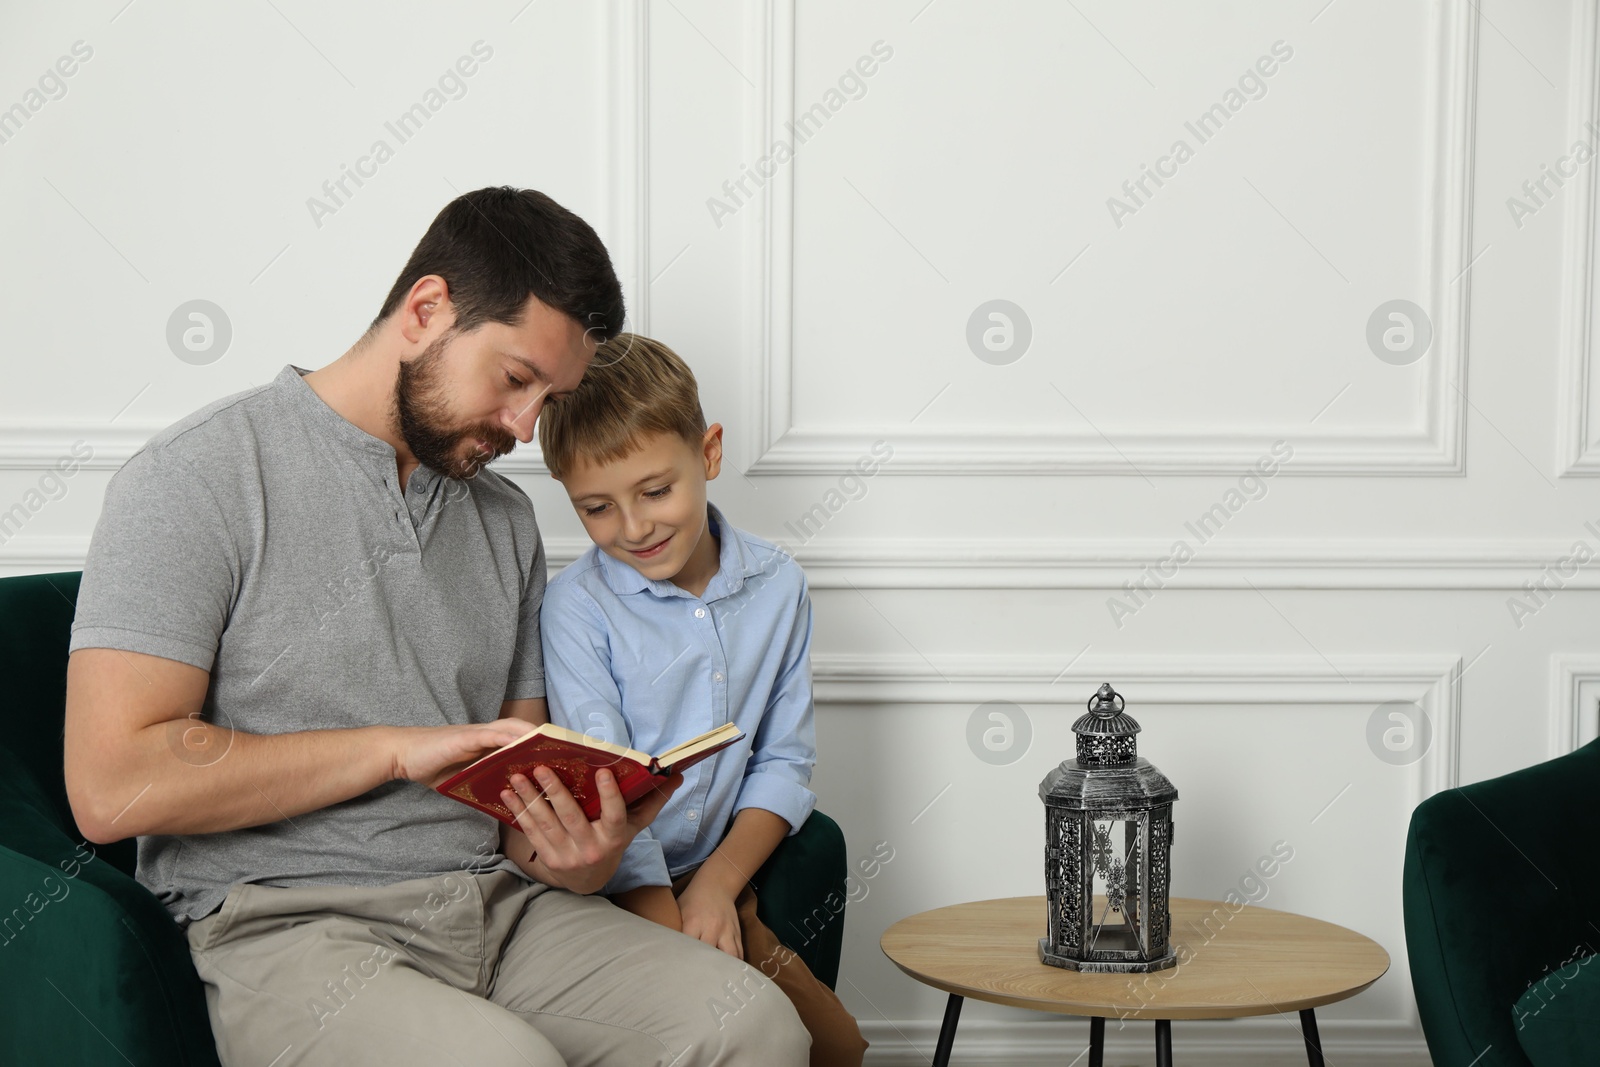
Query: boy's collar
[734,565]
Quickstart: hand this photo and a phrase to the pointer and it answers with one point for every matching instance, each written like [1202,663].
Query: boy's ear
[711,447]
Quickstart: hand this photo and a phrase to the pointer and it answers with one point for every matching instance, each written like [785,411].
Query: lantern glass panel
[1114,856]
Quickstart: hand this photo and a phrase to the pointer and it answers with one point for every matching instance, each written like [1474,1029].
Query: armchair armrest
[95,969]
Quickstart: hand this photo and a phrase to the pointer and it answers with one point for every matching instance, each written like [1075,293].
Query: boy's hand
[709,915]
[570,851]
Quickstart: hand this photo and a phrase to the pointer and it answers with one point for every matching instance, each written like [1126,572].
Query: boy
[675,622]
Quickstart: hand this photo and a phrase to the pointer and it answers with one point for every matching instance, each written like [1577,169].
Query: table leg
[1097,1042]
[1163,1043]
[1308,1025]
[947,1032]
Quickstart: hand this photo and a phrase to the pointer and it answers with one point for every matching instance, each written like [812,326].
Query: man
[306,603]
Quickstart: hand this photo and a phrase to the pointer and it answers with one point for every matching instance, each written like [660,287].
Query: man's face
[648,509]
[470,397]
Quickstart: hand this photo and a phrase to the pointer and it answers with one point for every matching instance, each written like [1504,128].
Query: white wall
[827,308]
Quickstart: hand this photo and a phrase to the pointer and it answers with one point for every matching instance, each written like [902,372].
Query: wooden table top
[1256,961]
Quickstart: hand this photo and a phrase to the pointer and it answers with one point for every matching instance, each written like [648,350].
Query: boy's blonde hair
[634,387]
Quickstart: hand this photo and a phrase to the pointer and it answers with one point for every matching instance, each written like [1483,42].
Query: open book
[574,757]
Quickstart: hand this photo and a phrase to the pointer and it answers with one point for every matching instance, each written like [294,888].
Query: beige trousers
[480,969]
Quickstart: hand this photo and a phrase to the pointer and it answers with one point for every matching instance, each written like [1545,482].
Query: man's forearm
[139,759]
[198,778]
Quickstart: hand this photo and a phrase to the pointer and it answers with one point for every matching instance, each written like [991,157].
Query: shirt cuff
[771,792]
[165,646]
[643,863]
[525,688]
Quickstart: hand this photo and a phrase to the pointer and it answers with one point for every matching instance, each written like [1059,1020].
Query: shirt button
[717,677]
[691,815]
[699,613]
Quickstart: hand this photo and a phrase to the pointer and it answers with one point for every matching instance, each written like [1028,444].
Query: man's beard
[423,416]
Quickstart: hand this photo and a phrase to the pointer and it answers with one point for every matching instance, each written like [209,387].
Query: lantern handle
[1103,698]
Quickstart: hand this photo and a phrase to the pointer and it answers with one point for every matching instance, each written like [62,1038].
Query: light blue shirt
[646,664]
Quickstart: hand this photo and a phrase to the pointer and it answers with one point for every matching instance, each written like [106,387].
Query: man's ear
[711,447]
[419,315]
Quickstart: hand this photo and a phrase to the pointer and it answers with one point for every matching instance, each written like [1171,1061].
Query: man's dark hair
[497,246]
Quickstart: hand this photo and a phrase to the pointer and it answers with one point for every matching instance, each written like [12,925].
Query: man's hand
[430,754]
[569,851]
[709,915]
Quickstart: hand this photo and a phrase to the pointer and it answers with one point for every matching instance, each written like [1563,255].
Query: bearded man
[306,603]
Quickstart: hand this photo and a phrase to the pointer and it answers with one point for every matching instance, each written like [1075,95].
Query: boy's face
[648,509]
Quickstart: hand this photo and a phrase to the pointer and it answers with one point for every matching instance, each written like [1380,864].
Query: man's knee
[777,1032]
[750,1014]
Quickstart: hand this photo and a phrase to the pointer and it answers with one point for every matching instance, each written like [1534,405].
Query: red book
[575,757]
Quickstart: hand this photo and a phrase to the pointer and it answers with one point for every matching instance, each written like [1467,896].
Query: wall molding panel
[1437,447]
[1574,701]
[1432,681]
[623,30]
[1578,400]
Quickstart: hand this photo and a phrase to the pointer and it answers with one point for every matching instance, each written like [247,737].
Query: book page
[710,739]
[561,733]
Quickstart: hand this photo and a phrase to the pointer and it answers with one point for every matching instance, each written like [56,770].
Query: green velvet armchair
[1502,917]
[92,968]
[95,971]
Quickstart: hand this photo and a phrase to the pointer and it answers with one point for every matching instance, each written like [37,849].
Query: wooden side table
[1256,961]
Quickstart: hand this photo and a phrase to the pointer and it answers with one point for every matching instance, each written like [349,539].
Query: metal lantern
[1107,849]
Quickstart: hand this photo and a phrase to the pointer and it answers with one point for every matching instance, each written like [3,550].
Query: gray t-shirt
[265,539]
